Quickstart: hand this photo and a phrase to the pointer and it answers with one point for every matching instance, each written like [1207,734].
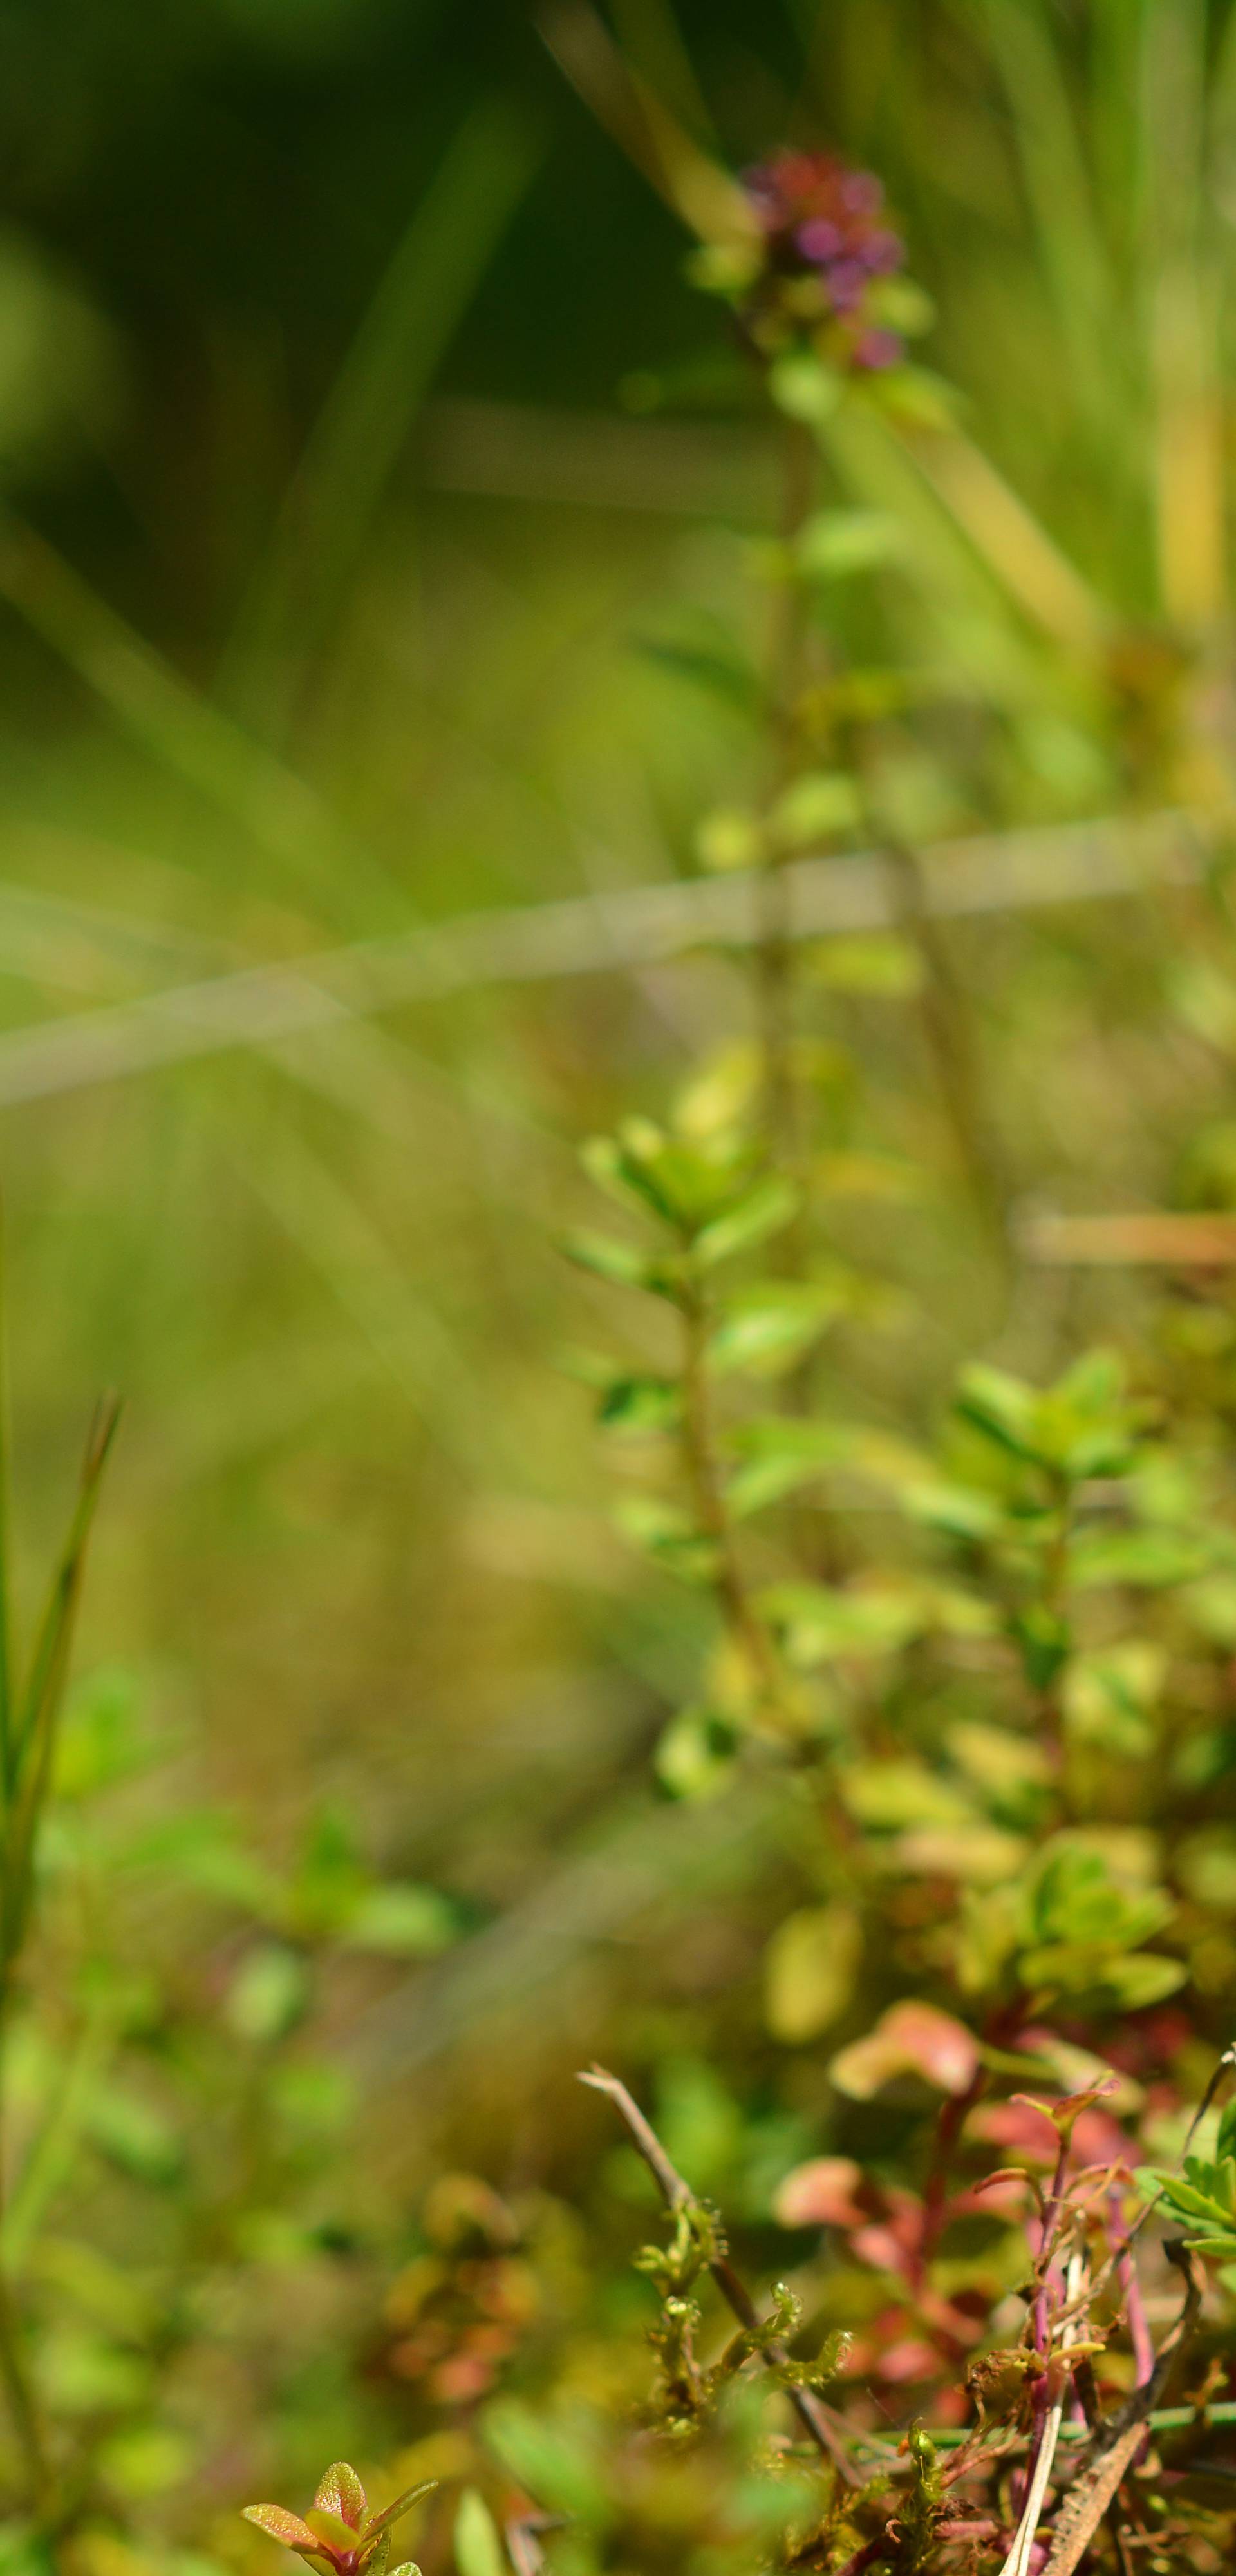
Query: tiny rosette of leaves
[339,2533]
[709,1193]
[1068,1927]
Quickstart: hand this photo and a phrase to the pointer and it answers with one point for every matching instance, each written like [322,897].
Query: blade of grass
[35,1726]
[1071,247]
[8,1747]
[364,425]
[1117,35]
[334,1234]
[625,105]
[279,811]
[50,2160]
[1026,560]
[963,590]
[653,40]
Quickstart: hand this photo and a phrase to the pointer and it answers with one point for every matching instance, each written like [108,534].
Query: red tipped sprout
[338,2535]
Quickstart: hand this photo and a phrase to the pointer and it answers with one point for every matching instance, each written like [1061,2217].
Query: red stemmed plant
[338,2533]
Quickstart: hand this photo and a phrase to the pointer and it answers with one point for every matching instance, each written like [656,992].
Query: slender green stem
[14,2372]
[708,1495]
[949,1031]
[8,1751]
[22,2403]
[787,645]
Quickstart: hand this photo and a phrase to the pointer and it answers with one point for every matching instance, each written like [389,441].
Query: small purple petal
[819,239]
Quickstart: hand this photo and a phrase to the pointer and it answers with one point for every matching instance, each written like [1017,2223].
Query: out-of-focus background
[377,505]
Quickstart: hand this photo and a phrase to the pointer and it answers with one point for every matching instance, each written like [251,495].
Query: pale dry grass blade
[263,1006]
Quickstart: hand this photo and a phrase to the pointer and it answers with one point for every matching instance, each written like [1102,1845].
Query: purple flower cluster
[827,244]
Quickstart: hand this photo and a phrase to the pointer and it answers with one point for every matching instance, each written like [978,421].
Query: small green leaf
[729,839]
[772,1323]
[822,1621]
[392,2513]
[878,963]
[403,1921]
[836,543]
[765,1211]
[804,388]
[810,1967]
[1149,1560]
[695,1757]
[668,1533]
[957,1511]
[637,1406]
[1144,1978]
[622,1263]
[887,1796]
[134,2135]
[1045,1638]
[817,807]
[331,2528]
[1003,1408]
[269,1994]
[1109,1699]
[478,2549]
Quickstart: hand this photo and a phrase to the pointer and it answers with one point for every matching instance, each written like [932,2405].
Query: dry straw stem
[258,1006]
[1119,2442]
[1157,1238]
[678,2194]
[1018,2560]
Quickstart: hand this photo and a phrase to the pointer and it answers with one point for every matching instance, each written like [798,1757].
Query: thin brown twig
[811,2412]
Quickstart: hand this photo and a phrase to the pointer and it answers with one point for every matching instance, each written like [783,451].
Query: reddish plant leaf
[910,2359]
[909,2039]
[1022,2128]
[820,2194]
[283,2526]
[341,2493]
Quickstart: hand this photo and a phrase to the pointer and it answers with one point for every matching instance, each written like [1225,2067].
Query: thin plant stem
[708,1496]
[949,1031]
[775,971]
[22,2403]
[8,1750]
[29,1744]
